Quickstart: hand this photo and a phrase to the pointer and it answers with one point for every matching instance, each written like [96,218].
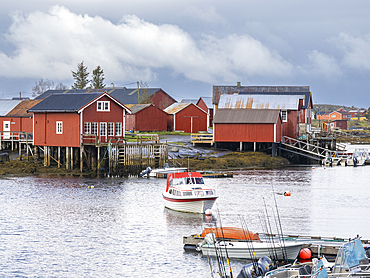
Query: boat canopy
[181,175]
[231,233]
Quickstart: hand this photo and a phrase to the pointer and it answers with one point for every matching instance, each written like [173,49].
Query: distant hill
[330,107]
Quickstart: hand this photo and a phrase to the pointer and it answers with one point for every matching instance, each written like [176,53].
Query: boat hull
[193,205]
[243,250]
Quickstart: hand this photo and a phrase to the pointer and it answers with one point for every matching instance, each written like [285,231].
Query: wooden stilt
[71,158]
[58,157]
[67,158]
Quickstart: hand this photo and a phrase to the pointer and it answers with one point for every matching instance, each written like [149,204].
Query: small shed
[247,125]
[186,117]
[338,124]
[206,104]
[146,117]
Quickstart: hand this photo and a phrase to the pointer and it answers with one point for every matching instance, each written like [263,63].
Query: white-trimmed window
[110,129]
[284,116]
[94,128]
[87,128]
[118,129]
[103,129]
[59,127]
[103,106]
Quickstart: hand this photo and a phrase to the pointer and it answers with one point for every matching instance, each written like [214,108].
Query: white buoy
[208,212]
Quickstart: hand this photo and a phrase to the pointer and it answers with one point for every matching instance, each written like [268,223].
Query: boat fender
[286,193]
[305,254]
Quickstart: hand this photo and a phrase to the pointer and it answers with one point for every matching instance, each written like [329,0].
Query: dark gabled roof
[70,102]
[246,116]
[21,110]
[51,92]
[122,94]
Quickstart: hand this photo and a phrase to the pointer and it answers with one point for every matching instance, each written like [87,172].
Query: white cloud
[321,65]
[49,45]
[356,50]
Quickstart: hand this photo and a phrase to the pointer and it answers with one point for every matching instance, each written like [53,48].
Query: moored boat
[253,249]
[187,192]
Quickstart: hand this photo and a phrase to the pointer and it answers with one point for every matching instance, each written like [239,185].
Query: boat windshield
[194,181]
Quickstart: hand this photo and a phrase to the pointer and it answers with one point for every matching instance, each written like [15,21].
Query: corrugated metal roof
[260,101]
[192,100]
[64,102]
[21,109]
[6,105]
[176,107]
[246,116]
[137,107]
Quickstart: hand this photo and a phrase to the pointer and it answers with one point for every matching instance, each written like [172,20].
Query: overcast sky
[186,47]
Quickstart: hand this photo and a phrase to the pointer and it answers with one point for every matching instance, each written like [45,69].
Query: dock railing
[204,138]
[310,149]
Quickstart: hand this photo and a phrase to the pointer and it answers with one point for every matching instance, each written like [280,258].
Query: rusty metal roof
[288,102]
[21,109]
[176,107]
[246,116]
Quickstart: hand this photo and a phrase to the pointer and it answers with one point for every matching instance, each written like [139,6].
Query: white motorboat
[152,173]
[253,249]
[358,158]
[187,192]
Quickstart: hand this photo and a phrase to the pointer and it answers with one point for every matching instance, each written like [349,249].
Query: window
[87,128]
[103,106]
[284,115]
[59,127]
[103,129]
[94,128]
[118,129]
[110,129]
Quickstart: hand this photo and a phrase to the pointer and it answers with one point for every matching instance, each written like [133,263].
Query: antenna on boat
[252,252]
[280,233]
[223,237]
[269,232]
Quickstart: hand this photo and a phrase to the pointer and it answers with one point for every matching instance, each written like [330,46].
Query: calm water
[58,227]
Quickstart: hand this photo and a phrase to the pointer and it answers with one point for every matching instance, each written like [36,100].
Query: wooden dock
[201,138]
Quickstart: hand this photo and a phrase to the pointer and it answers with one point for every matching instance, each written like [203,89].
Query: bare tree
[61,86]
[42,86]
[144,95]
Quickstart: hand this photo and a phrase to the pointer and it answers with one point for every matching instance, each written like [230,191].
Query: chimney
[238,84]
[112,85]
[20,95]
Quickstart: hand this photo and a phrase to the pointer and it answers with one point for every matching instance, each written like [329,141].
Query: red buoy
[286,193]
[305,254]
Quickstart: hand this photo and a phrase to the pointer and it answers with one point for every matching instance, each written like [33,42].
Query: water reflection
[58,226]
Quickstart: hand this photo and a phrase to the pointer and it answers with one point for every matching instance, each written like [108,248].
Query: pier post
[67,158]
[58,157]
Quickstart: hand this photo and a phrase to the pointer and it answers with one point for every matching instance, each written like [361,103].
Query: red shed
[61,119]
[186,117]
[146,117]
[247,125]
[206,104]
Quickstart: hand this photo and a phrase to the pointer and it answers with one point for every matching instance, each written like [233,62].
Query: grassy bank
[235,160]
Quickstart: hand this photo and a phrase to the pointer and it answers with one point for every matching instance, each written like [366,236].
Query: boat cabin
[187,184]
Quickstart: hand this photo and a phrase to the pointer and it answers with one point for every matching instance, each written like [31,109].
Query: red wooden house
[146,117]
[186,117]
[61,119]
[289,106]
[247,125]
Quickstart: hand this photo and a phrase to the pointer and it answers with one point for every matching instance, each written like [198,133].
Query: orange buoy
[305,254]
[286,193]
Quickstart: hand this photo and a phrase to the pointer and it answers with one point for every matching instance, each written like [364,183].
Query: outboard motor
[265,264]
[251,270]
[146,171]
[255,270]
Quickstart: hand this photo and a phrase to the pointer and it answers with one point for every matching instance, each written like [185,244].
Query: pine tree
[81,77]
[98,78]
